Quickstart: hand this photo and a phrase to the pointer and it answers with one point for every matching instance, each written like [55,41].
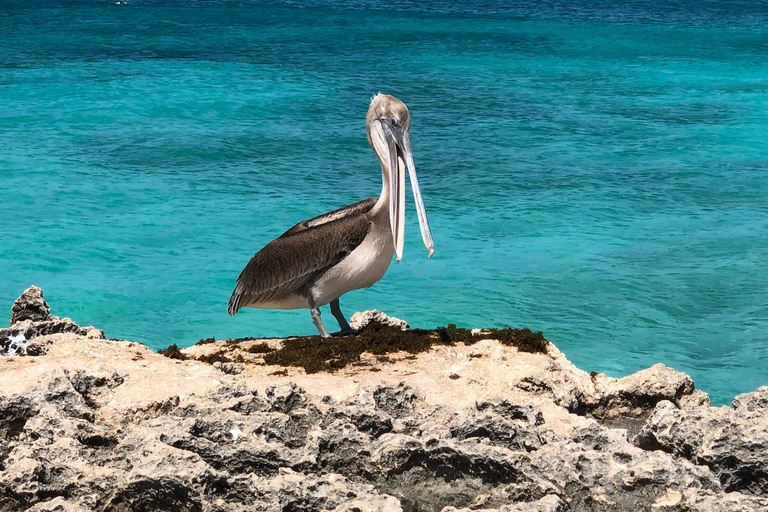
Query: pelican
[320,259]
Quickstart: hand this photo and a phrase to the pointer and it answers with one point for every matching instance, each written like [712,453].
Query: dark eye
[395,120]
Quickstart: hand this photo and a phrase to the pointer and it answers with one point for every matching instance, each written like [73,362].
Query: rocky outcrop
[363,318]
[30,306]
[32,323]
[731,442]
[107,425]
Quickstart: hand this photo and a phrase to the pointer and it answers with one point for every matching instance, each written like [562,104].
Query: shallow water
[593,170]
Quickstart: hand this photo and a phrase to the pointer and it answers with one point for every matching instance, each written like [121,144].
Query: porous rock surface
[362,318]
[90,424]
[32,322]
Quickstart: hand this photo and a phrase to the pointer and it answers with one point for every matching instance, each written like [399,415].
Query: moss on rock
[316,354]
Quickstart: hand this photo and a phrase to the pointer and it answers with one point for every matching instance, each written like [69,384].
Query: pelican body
[320,259]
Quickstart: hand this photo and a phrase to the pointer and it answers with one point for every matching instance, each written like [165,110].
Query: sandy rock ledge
[89,424]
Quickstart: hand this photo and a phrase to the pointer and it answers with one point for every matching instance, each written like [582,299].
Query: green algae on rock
[316,354]
[523,339]
[260,348]
[173,352]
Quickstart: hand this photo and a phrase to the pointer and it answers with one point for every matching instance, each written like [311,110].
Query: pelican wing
[295,259]
[359,207]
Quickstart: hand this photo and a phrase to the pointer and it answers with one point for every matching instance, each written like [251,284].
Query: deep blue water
[594,170]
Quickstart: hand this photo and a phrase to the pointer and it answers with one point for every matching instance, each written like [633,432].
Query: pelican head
[388,126]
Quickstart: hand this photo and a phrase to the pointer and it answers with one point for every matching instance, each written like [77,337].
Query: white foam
[17,345]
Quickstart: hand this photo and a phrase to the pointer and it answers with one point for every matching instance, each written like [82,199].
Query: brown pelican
[320,259]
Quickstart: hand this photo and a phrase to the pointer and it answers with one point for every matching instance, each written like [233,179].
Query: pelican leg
[345,328]
[315,312]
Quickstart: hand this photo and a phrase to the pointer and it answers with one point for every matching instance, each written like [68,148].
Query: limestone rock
[636,395]
[627,402]
[32,326]
[89,424]
[754,401]
[732,442]
[363,318]
[95,334]
[30,306]
[549,503]
[58,504]
[34,338]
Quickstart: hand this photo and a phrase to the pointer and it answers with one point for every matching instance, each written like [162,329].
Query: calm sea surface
[594,170]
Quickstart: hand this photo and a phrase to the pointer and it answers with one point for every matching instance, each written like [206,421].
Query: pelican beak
[397,145]
[396,189]
[404,157]
[426,233]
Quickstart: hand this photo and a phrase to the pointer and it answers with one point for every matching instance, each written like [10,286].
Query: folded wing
[359,207]
[292,262]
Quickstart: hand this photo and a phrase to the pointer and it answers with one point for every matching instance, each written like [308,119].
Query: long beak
[426,233]
[398,146]
[396,193]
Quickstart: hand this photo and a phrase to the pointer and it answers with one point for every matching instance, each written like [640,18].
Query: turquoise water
[594,170]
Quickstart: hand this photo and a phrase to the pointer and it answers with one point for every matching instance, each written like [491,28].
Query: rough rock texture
[30,306]
[106,425]
[363,318]
[32,323]
[732,442]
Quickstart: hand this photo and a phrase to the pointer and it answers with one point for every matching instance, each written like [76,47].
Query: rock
[58,504]
[32,325]
[731,442]
[636,395]
[231,368]
[698,500]
[627,402]
[14,344]
[34,338]
[95,424]
[754,401]
[363,318]
[94,334]
[549,503]
[30,306]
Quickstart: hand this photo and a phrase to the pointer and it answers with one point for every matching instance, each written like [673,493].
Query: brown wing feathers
[297,258]
[363,206]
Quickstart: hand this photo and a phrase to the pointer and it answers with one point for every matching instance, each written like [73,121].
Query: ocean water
[592,169]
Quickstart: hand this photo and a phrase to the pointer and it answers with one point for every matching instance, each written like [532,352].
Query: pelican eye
[395,121]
